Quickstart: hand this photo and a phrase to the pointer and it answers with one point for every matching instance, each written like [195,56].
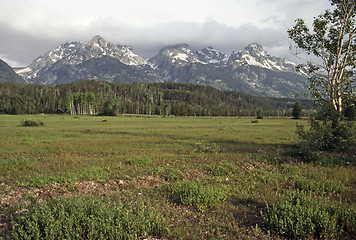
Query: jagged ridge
[251,70]
[74,54]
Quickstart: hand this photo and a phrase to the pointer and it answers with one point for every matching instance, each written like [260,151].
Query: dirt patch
[13,194]
[195,174]
[141,182]
[79,188]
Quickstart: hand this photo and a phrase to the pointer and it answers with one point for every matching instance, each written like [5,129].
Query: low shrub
[204,147]
[140,161]
[301,216]
[31,123]
[170,174]
[86,218]
[221,169]
[319,186]
[274,158]
[197,195]
[93,174]
[42,180]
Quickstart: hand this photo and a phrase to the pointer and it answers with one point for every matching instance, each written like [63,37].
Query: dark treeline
[103,98]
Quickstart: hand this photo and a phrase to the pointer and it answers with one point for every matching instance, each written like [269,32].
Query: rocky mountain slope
[76,61]
[7,74]
[251,70]
[268,75]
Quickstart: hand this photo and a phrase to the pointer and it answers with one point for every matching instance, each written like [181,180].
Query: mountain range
[251,70]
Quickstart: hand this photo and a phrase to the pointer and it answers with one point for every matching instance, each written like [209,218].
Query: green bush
[197,195]
[259,114]
[86,218]
[301,216]
[323,136]
[297,110]
[31,123]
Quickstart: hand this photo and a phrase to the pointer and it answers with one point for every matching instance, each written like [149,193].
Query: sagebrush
[86,218]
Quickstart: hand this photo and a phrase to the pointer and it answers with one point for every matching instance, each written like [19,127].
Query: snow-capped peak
[98,41]
[74,53]
[255,55]
[210,55]
[180,54]
[255,50]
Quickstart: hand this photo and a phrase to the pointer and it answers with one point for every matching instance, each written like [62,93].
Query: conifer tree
[297,110]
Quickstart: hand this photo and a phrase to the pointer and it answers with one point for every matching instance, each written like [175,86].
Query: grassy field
[169,178]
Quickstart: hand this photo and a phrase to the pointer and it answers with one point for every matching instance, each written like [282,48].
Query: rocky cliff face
[210,55]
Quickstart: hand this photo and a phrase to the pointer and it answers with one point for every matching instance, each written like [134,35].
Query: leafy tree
[333,43]
[259,114]
[297,110]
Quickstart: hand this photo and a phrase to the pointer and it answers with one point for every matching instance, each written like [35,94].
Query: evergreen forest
[102,98]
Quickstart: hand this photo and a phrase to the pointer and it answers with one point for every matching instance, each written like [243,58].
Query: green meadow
[147,177]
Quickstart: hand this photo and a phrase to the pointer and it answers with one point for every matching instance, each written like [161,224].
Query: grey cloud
[23,47]
[215,34]
[148,41]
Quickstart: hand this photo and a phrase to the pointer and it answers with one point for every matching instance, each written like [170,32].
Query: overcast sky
[29,28]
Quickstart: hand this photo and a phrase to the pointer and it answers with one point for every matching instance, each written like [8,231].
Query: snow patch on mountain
[180,56]
[210,55]
[75,53]
[255,55]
